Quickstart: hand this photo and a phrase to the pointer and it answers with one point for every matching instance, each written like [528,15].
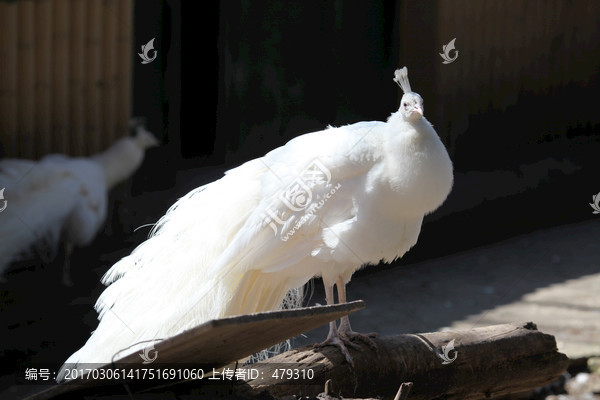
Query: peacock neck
[119,161]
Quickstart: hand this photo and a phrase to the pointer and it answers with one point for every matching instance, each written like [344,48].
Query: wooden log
[486,362]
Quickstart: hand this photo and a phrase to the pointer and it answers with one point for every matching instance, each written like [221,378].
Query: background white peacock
[60,199]
[324,204]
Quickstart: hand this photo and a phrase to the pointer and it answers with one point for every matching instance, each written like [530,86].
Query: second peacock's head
[411,106]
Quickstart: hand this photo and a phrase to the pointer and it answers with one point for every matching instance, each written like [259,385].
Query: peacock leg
[66,272]
[345,330]
[333,338]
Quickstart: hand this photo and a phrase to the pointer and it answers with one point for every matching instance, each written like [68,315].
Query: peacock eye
[405,104]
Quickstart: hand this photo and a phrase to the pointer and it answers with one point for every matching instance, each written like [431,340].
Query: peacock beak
[418,110]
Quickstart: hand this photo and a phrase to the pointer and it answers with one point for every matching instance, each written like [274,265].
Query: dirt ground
[550,277]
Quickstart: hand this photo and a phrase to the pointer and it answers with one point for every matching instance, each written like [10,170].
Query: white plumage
[60,199]
[324,204]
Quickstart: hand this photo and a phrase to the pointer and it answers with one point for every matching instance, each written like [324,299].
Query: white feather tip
[401,78]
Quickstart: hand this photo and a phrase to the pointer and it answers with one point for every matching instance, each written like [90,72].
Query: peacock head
[145,139]
[411,105]
[142,137]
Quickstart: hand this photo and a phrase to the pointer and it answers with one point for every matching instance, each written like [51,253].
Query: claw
[348,336]
[339,343]
[343,336]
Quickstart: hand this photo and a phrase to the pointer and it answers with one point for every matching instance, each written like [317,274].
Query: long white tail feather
[139,283]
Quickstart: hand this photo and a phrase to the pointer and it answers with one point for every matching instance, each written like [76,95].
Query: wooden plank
[26,81]
[43,77]
[219,342]
[125,68]
[8,79]
[60,76]
[77,99]
[93,90]
[109,70]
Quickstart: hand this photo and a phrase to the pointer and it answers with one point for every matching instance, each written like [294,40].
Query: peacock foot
[341,344]
[348,335]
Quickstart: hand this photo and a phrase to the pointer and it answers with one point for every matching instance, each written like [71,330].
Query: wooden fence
[65,75]
[529,62]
